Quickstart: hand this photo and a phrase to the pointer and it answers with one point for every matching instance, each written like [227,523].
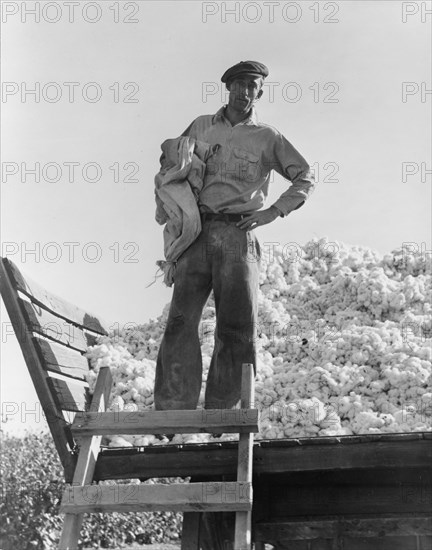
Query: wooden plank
[61,359]
[147,463]
[287,500]
[405,478]
[328,528]
[221,459]
[381,543]
[190,531]
[58,426]
[86,461]
[243,522]
[192,497]
[345,439]
[45,323]
[53,303]
[340,543]
[424,542]
[314,544]
[159,422]
[69,395]
[389,454]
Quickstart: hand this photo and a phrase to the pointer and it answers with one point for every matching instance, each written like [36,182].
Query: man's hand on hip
[262,217]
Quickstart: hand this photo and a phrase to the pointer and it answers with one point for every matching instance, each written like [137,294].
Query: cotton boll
[91,379]
[118,441]
[311,430]
[178,439]
[366,421]
[271,433]
[196,438]
[427,401]
[144,440]
[117,404]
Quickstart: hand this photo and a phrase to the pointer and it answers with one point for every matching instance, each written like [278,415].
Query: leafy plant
[32,485]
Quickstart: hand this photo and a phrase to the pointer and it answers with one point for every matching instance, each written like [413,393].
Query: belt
[220,216]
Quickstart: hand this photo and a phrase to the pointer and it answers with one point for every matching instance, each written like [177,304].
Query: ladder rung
[166,422]
[187,497]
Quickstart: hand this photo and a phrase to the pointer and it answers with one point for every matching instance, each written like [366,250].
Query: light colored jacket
[177,186]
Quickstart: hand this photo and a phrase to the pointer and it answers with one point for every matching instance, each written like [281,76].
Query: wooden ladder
[88,427]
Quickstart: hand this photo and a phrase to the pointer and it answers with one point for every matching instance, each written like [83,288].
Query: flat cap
[245,67]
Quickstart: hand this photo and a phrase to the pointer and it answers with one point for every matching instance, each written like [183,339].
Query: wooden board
[167,422]
[170,461]
[43,322]
[362,498]
[53,303]
[69,395]
[272,458]
[347,543]
[367,454]
[329,528]
[387,542]
[309,480]
[214,496]
[58,358]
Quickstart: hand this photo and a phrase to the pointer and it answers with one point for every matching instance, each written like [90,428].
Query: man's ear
[260,93]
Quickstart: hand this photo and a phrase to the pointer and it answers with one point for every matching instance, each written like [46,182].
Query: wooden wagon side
[367,492]
[53,335]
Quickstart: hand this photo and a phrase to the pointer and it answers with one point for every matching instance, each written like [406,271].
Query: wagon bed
[351,492]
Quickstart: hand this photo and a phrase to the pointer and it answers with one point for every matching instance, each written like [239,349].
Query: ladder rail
[242,536]
[235,496]
[86,463]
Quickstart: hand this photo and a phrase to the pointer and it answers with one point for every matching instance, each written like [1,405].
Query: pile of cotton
[343,339]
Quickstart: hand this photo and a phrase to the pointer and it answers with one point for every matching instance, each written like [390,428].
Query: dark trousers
[225,259]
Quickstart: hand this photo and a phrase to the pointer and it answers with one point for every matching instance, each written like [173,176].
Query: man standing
[225,256]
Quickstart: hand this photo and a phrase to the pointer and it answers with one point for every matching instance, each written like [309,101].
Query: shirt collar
[251,120]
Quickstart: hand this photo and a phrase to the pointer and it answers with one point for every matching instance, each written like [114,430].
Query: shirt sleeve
[188,131]
[289,163]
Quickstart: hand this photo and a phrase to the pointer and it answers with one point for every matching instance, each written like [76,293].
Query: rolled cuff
[286,207]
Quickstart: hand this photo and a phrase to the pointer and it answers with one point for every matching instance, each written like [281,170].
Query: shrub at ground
[32,486]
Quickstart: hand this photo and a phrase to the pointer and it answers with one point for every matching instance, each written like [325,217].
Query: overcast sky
[348,86]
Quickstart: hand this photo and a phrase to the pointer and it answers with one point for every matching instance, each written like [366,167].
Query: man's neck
[234,117]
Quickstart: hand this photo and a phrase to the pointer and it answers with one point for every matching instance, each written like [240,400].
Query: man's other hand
[262,217]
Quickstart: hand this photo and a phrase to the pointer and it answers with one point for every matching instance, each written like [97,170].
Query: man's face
[244,90]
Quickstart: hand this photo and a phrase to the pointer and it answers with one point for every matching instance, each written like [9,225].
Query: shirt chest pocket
[246,164]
